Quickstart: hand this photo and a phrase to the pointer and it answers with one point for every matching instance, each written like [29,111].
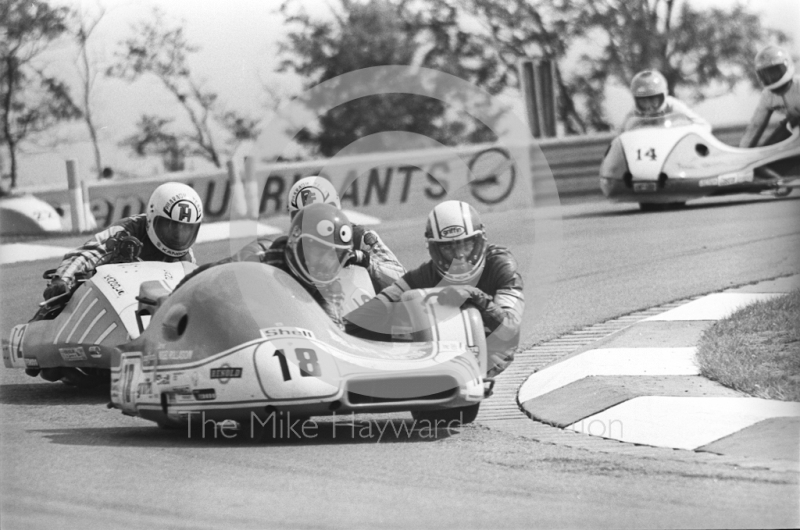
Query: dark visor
[176,235]
[649,103]
[772,74]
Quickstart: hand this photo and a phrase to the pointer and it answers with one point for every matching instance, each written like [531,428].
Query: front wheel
[463,415]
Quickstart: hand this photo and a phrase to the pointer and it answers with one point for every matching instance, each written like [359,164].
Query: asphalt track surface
[68,462]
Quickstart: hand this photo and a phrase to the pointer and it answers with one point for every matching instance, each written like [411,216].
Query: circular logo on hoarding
[493,175]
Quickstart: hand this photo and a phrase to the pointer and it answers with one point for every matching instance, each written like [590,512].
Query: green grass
[757,349]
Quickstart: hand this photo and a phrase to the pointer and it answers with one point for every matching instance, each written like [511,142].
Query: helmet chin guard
[174,215]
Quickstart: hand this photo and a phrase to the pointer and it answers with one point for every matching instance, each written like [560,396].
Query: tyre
[650,207]
[661,207]
[85,377]
[464,415]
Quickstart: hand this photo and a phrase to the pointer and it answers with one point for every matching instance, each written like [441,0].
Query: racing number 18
[306,360]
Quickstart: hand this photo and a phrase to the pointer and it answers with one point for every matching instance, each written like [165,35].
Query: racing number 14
[650,153]
[306,360]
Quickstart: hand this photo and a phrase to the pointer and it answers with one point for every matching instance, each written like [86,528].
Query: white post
[76,203]
[250,187]
[238,208]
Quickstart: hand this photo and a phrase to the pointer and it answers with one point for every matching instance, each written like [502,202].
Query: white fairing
[647,149]
[357,286]
[120,285]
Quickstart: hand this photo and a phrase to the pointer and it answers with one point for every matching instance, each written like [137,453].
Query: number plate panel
[644,187]
[295,368]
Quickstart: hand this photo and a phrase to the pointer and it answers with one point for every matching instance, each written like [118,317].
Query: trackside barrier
[387,185]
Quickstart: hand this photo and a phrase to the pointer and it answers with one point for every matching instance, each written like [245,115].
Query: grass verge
[756,350]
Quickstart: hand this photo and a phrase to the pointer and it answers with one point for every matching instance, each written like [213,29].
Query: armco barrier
[390,185]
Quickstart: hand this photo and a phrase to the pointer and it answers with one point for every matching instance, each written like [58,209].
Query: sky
[239,48]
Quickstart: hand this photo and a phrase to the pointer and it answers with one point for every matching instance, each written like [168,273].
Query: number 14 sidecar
[669,160]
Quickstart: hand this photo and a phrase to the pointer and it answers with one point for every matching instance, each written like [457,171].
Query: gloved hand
[360,258]
[454,296]
[56,287]
[499,361]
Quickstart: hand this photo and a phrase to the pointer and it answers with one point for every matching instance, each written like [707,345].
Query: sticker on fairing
[175,355]
[281,332]
[729,179]
[72,354]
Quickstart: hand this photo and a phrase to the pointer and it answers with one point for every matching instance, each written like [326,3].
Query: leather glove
[499,361]
[56,287]
[454,296]
[360,258]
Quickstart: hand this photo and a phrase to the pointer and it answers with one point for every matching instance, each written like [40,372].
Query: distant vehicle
[664,162]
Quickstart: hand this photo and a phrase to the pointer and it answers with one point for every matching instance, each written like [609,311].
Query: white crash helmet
[456,241]
[174,214]
[311,190]
[649,89]
[774,67]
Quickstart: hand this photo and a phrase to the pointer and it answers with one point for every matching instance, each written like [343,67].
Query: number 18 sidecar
[243,342]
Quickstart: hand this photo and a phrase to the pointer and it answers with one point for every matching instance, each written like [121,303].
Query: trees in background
[376,33]
[704,51]
[82,29]
[158,50]
[32,101]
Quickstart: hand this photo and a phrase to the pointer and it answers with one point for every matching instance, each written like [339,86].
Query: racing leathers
[370,252]
[84,258]
[673,105]
[498,296]
[787,103]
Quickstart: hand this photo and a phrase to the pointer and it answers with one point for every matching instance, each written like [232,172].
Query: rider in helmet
[166,231]
[775,70]
[651,98]
[470,269]
[370,251]
[319,245]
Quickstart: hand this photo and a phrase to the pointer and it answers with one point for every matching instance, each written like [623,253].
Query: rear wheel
[463,415]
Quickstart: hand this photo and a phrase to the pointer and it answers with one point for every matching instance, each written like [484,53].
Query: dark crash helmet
[319,244]
[456,241]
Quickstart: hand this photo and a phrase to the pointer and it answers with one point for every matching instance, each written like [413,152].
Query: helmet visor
[174,234]
[649,103]
[321,260]
[772,74]
[460,256]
